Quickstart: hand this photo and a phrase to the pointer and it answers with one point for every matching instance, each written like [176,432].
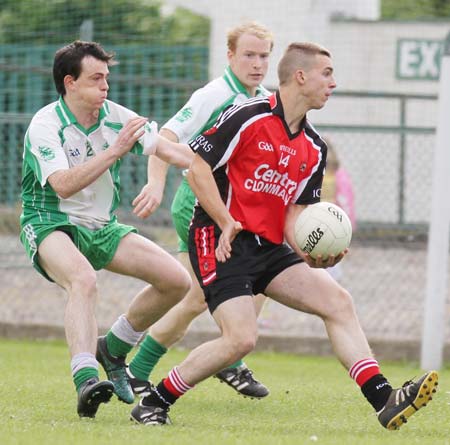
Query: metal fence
[385,141]
[154,81]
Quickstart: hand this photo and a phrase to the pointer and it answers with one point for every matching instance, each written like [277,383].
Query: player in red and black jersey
[260,165]
[254,172]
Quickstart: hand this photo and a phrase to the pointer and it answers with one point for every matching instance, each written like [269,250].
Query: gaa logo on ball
[323,229]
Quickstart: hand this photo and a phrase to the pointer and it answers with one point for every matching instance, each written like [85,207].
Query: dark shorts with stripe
[253,264]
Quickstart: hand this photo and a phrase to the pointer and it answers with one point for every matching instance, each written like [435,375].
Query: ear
[230,54]
[300,76]
[68,81]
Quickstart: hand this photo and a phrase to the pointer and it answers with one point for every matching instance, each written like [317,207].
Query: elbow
[62,190]
[64,194]
[190,177]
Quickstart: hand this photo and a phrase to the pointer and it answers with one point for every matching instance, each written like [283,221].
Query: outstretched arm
[174,153]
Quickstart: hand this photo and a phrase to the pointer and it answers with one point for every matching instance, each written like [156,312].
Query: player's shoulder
[47,117]
[247,109]
[314,135]
[216,91]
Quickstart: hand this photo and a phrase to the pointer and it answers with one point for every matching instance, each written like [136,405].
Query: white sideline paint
[438,241]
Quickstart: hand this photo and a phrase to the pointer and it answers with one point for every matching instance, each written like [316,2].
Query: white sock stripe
[356,370]
[364,364]
[363,369]
[122,329]
[178,382]
[83,360]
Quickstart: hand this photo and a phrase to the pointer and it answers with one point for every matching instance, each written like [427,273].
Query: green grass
[312,401]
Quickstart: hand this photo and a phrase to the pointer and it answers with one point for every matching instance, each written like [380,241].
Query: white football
[323,229]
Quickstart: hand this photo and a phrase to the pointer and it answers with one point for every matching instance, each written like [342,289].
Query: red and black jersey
[260,166]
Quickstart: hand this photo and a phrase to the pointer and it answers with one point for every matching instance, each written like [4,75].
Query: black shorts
[253,264]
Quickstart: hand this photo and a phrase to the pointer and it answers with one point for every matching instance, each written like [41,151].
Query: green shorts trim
[182,209]
[98,246]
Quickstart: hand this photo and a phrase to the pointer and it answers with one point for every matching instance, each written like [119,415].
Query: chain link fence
[384,141]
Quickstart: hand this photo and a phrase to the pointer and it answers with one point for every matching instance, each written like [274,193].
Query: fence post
[433,336]
[87,30]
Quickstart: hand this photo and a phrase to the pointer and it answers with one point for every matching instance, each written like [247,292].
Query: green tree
[415,9]
[115,22]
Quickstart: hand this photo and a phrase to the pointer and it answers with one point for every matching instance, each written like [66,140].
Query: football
[323,229]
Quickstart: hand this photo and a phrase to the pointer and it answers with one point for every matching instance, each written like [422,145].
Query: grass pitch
[312,401]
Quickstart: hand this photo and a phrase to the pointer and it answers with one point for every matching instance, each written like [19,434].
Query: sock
[148,355]
[84,367]
[377,391]
[116,346]
[168,391]
[363,370]
[374,385]
[121,338]
[236,364]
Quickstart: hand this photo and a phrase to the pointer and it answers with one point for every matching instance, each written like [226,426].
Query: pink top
[344,194]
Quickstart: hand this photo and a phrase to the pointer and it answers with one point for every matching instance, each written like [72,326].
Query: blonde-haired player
[249,47]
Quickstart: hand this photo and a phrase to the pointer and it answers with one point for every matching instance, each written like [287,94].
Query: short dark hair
[68,61]
[298,55]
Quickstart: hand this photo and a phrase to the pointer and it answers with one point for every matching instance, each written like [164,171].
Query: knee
[243,345]
[194,302]
[341,305]
[178,286]
[85,283]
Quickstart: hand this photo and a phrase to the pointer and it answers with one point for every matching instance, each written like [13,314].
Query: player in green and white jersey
[70,189]
[249,48]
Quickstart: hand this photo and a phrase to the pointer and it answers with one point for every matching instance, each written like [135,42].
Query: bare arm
[174,153]
[151,195]
[67,182]
[204,186]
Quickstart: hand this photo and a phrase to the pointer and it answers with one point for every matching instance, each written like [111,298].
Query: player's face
[91,87]
[250,61]
[319,82]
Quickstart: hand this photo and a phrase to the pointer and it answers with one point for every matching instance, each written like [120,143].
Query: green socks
[236,364]
[116,346]
[84,374]
[148,355]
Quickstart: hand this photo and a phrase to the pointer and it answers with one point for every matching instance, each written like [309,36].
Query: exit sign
[419,59]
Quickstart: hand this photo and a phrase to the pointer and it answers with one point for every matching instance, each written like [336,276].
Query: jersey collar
[277,109]
[236,85]
[67,117]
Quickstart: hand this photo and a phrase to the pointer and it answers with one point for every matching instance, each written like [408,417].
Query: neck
[293,106]
[86,117]
[251,91]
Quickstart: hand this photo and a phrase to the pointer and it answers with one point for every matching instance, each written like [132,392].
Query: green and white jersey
[204,106]
[56,141]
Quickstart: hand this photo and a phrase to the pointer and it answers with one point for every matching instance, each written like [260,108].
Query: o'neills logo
[267,180]
[312,240]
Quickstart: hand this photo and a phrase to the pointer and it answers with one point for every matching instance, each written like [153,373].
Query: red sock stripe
[168,384]
[364,370]
[175,384]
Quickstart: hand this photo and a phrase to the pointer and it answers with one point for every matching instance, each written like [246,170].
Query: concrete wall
[364,49]
[368,55]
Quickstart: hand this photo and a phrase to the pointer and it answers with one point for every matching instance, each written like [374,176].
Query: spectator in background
[337,184]
[337,188]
